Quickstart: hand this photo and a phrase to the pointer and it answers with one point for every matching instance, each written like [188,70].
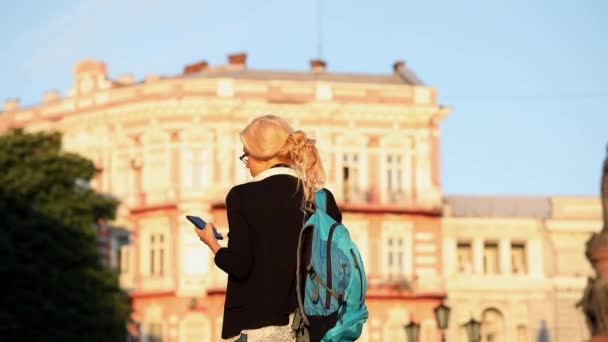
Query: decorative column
[504,250]
[478,255]
[595,298]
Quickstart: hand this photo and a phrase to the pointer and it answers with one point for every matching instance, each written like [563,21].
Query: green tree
[57,288]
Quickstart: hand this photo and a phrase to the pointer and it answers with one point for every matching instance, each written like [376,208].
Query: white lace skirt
[282,333]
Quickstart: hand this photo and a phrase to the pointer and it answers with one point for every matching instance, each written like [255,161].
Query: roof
[499,206]
[404,77]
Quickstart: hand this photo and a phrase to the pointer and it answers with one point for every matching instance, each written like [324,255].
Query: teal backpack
[331,280]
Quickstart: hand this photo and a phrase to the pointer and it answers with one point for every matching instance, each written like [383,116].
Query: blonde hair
[301,153]
[271,136]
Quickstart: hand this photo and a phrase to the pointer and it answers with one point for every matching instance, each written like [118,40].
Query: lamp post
[473,330]
[442,316]
[412,330]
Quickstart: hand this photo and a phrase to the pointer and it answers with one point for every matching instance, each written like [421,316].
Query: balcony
[371,199]
[154,283]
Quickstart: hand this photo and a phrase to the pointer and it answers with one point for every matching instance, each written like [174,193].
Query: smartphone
[200,224]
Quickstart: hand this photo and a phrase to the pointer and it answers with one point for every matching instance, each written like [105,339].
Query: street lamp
[473,330]
[412,330]
[442,316]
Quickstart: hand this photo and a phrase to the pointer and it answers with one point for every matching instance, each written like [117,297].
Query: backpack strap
[319,281]
[321,198]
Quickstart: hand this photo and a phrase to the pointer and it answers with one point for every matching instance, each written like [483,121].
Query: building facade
[518,265]
[169,146]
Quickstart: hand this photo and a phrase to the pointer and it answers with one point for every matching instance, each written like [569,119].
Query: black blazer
[265,220]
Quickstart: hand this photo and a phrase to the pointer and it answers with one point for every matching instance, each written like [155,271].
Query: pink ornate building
[169,146]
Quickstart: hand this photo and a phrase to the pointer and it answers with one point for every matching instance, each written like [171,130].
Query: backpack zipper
[360,276]
[327,294]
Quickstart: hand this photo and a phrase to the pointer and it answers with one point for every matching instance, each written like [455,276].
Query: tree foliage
[57,288]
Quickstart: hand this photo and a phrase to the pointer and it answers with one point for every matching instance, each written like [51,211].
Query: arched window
[394,326]
[522,333]
[428,331]
[154,330]
[492,326]
[195,327]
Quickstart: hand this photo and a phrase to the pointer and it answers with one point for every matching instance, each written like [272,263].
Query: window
[462,334]
[492,326]
[192,332]
[157,254]
[397,250]
[156,168]
[124,258]
[350,176]
[393,325]
[155,257]
[195,327]
[395,172]
[155,332]
[522,333]
[518,258]
[490,258]
[428,330]
[196,168]
[119,240]
[395,257]
[465,257]
[122,174]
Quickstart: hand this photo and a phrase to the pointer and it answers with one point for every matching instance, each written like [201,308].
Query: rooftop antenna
[319,30]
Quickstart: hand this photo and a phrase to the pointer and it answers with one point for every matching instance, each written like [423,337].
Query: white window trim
[149,226]
[350,144]
[154,315]
[402,146]
[150,181]
[405,231]
[201,177]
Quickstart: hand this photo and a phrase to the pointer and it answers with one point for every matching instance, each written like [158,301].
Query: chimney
[12,104]
[91,66]
[126,79]
[317,65]
[151,78]
[398,66]
[195,68]
[237,61]
[90,75]
[50,96]
[406,74]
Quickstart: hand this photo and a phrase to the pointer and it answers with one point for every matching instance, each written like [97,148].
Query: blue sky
[527,79]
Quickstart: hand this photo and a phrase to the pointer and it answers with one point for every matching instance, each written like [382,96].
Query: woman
[265,217]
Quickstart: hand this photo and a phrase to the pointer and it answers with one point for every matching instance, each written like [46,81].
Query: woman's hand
[207,236]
